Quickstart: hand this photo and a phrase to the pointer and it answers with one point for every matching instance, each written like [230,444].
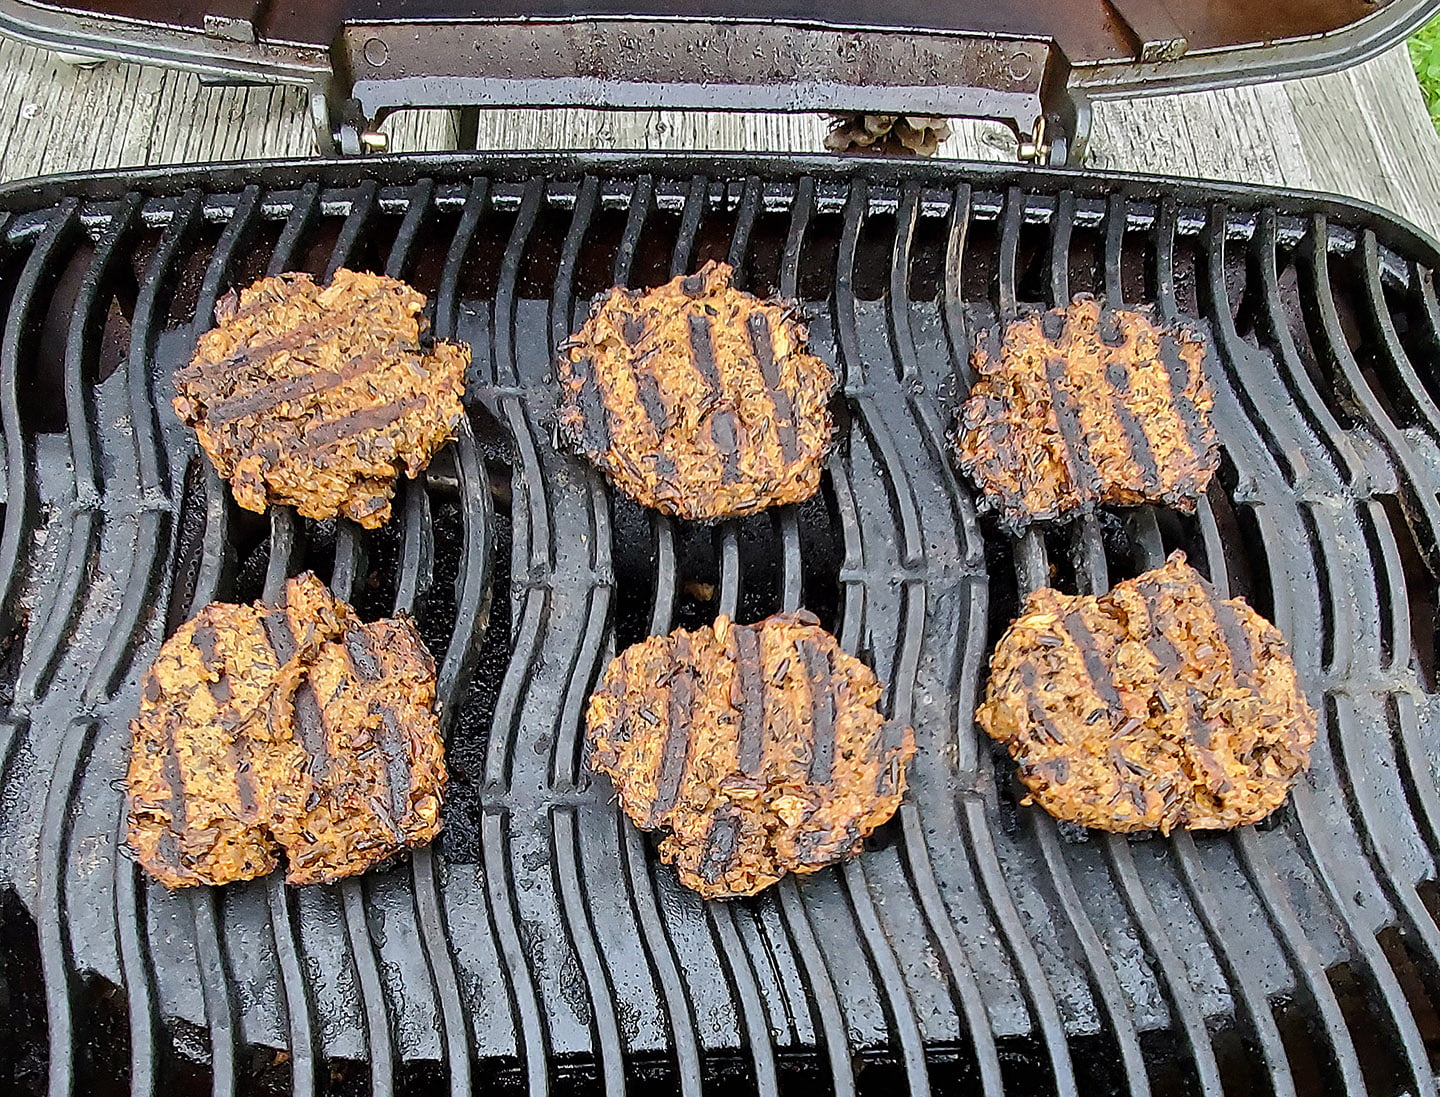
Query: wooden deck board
[1363,132]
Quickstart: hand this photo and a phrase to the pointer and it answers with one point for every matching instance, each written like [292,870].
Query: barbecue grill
[978,946]
[541,945]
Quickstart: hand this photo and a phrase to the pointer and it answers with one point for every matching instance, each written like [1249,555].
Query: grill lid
[541,945]
[1012,60]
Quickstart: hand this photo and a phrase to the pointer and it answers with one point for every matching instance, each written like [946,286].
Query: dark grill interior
[542,947]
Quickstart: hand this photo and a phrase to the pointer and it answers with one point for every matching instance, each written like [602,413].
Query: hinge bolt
[1035,149]
[374,141]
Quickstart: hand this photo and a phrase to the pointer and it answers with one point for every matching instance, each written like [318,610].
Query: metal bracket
[619,63]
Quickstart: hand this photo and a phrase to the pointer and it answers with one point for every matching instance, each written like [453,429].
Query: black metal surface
[541,947]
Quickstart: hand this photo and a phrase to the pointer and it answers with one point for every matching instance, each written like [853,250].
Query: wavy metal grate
[541,948]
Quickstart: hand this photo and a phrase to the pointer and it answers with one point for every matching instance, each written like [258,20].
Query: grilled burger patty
[1084,406]
[288,726]
[318,397]
[697,399]
[759,747]
[1155,706]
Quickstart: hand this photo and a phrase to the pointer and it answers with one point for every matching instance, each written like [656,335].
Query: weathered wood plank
[57,117]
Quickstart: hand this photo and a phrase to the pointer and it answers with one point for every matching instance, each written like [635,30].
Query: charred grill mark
[1167,654]
[675,756]
[750,749]
[725,433]
[762,343]
[818,673]
[1067,420]
[397,767]
[268,397]
[594,413]
[720,846]
[1035,707]
[647,387]
[176,834]
[218,372]
[357,421]
[633,330]
[310,729]
[361,657]
[204,638]
[1178,371]
[702,349]
[1096,671]
[1117,378]
[1242,656]
[279,634]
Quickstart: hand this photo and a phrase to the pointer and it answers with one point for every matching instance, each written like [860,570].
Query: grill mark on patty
[216,372]
[311,731]
[1242,656]
[205,637]
[176,835]
[1096,672]
[594,413]
[725,433]
[652,401]
[268,397]
[762,344]
[702,350]
[721,844]
[1142,454]
[1072,436]
[1030,682]
[361,658]
[1178,372]
[368,665]
[750,746]
[818,673]
[675,755]
[1166,651]
[279,635]
[334,430]
[397,767]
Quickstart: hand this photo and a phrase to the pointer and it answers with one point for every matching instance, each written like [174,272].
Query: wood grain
[1362,133]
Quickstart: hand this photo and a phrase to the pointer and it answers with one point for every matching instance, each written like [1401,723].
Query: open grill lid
[1016,61]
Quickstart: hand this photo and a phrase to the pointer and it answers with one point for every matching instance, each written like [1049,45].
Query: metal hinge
[1061,134]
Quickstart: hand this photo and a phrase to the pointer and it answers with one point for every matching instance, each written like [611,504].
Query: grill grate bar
[1091,571]
[961,974]
[533,543]
[735,954]
[882,957]
[565,757]
[1093,578]
[472,604]
[58,613]
[794,907]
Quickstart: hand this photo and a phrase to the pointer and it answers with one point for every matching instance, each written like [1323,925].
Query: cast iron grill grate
[540,947]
